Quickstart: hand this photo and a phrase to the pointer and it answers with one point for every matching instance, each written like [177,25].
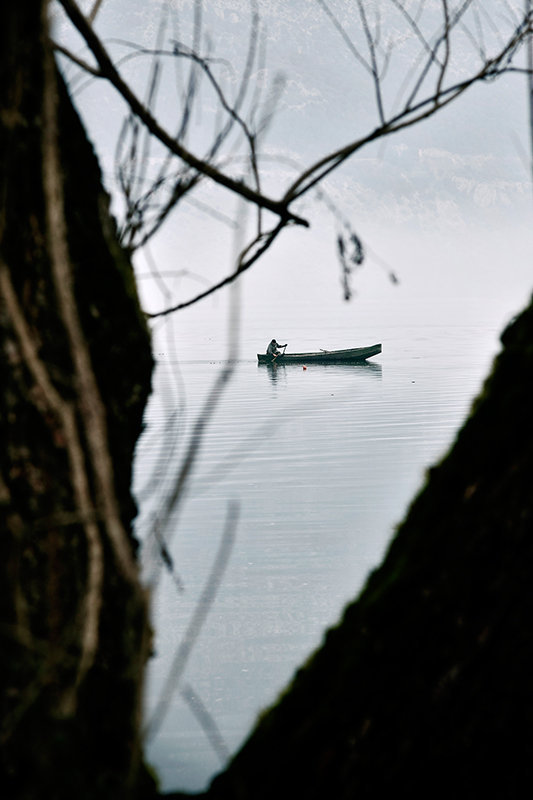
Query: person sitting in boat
[272,349]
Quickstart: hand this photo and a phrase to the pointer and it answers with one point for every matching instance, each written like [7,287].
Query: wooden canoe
[349,356]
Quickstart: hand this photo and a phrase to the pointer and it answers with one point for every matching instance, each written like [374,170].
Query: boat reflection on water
[277,370]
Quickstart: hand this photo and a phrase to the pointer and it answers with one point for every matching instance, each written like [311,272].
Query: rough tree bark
[75,368]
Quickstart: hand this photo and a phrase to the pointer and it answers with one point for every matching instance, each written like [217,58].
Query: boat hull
[350,356]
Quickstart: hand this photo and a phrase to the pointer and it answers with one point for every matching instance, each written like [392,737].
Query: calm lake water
[321,464]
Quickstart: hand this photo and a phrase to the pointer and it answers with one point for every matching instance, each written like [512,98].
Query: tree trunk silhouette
[75,371]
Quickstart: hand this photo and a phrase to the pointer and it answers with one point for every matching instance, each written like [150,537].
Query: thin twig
[206,722]
[347,41]
[248,257]
[405,118]
[183,182]
[94,11]
[447,48]
[431,59]
[529,14]
[80,62]
[281,209]
[176,496]
[373,61]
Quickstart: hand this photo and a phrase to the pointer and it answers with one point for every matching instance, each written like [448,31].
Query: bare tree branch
[176,495]
[410,115]
[446,59]
[94,11]
[80,62]
[347,41]
[149,206]
[529,12]
[248,257]
[432,58]
[413,24]
[281,209]
[373,61]
[207,723]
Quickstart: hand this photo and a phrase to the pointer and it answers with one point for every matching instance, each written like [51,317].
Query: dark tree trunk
[75,368]
[425,687]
